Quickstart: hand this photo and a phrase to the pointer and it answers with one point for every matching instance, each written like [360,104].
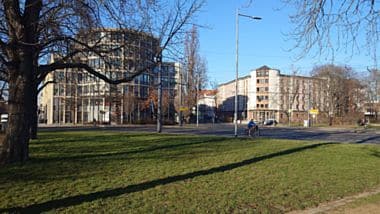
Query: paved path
[343,135]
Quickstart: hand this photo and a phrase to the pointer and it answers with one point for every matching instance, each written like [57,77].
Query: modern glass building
[77,97]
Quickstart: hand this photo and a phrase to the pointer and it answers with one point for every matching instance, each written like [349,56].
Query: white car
[269,122]
[4,118]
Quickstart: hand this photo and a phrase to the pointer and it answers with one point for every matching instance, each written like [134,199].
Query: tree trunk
[34,117]
[15,145]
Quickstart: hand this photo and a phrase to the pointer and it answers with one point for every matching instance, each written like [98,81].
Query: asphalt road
[327,134]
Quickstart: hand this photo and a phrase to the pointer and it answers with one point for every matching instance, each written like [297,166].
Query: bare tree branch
[46,69]
[330,26]
[44,85]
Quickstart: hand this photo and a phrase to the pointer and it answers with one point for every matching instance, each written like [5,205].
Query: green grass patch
[160,173]
[375,126]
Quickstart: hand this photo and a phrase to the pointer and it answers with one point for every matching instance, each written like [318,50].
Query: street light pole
[237,71]
[197,104]
[159,102]
[237,65]
[308,106]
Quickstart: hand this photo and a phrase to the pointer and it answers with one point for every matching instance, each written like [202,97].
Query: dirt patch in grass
[351,204]
[365,209]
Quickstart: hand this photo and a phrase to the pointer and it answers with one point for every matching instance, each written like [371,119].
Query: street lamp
[237,63]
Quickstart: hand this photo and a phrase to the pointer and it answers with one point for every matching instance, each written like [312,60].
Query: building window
[262,73]
[258,106]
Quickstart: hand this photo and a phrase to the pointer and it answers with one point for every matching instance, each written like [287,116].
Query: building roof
[298,76]
[229,82]
[264,67]
[208,92]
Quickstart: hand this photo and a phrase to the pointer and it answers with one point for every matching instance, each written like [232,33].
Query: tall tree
[195,68]
[30,30]
[152,101]
[343,91]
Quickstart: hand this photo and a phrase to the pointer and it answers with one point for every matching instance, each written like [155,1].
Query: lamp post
[237,64]
[159,94]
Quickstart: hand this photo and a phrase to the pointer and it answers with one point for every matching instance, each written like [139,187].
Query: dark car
[270,122]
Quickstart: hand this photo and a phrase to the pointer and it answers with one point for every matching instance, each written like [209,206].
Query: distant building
[78,97]
[372,106]
[268,94]
[226,99]
[207,105]
[170,86]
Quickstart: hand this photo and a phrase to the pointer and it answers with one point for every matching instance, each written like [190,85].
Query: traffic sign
[314,111]
[183,109]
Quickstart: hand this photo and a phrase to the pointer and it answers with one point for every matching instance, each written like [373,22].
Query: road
[329,134]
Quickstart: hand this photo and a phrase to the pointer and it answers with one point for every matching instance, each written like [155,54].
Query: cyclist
[252,127]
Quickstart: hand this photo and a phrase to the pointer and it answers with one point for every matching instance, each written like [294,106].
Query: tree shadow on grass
[150,149]
[71,137]
[366,140]
[79,199]
[376,153]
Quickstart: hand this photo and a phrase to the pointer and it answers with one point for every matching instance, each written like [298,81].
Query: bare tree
[31,30]
[130,102]
[290,95]
[331,26]
[343,92]
[195,68]
[152,101]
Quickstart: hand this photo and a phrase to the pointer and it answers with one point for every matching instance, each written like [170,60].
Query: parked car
[3,121]
[270,122]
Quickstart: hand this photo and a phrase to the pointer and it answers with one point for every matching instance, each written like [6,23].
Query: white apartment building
[207,105]
[225,99]
[268,94]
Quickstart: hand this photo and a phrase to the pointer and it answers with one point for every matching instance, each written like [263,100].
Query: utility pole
[159,104]
[237,65]
[289,106]
[237,73]
[197,100]
[308,106]
[168,90]
[180,99]
[110,105]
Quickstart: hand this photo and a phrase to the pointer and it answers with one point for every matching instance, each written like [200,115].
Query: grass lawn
[160,173]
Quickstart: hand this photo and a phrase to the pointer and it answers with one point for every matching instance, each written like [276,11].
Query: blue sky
[261,42]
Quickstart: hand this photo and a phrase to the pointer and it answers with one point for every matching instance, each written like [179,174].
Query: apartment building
[170,86]
[283,97]
[226,99]
[207,105]
[77,97]
[268,94]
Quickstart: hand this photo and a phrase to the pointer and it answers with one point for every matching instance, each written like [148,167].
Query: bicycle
[255,132]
